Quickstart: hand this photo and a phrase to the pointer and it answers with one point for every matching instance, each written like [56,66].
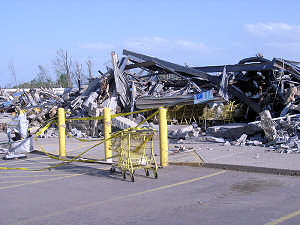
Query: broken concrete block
[268,125]
[91,99]
[186,132]
[257,143]
[186,129]
[76,133]
[241,140]
[215,139]
[234,130]
[123,123]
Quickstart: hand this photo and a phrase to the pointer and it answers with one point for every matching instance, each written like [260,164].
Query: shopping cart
[135,150]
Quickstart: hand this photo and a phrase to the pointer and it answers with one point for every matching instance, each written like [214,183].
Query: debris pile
[137,81]
[282,134]
[260,84]
[278,134]
[130,84]
[27,99]
[21,143]
[40,105]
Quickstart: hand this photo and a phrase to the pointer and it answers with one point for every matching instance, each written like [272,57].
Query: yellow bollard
[163,137]
[62,133]
[107,134]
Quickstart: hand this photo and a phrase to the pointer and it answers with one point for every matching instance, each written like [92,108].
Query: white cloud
[276,38]
[274,30]
[96,45]
[263,29]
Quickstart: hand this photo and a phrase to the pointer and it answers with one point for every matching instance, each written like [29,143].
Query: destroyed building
[136,81]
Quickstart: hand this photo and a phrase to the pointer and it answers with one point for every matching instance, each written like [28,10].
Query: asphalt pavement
[85,193]
[80,193]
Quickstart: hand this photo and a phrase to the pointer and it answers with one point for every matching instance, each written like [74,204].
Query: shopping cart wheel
[155,174]
[147,173]
[132,178]
[112,169]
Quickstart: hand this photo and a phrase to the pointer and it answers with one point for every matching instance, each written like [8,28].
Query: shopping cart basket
[135,150]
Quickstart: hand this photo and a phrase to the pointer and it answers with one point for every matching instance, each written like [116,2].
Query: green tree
[62,81]
[43,79]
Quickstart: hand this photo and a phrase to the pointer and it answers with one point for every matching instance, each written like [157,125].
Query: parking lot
[81,193]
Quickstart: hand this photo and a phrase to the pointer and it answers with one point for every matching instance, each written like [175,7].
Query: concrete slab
[218,155]
[203,153]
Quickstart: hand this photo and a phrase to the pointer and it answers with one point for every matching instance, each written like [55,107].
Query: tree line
[69,73]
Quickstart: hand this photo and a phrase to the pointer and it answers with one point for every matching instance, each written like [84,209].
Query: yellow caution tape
[112,116]
[130,113]
[148,118]
[53,118]
[13,168]
[67,161]
[71,160]
[81,139]
[85,140]
[87,118]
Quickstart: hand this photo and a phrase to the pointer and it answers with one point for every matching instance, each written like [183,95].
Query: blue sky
[196,32]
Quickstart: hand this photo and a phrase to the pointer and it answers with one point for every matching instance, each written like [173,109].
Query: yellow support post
[163,137]
[107,134]
[62,133]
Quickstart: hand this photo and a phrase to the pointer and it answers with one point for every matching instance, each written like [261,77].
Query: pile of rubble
[137,81]
[41,104]
[27,98]
[278,134]
[282,134]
